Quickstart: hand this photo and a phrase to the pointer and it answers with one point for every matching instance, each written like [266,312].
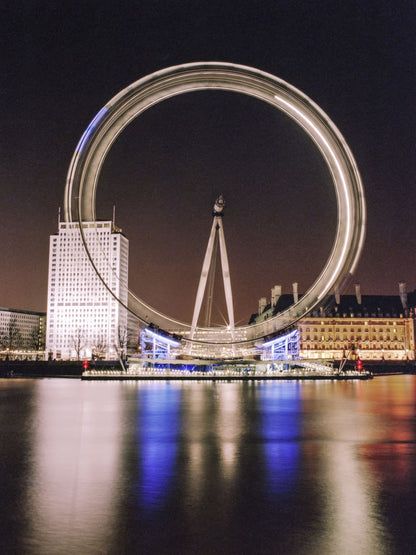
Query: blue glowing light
[281,338]
[162,338]
[283,347]
[90,128]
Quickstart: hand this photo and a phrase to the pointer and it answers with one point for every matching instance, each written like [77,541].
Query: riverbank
[221,375]
[390,367]
[49,368]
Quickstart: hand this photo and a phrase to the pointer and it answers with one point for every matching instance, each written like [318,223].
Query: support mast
[216,229]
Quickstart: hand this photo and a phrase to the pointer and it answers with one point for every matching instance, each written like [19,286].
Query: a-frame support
[217,227]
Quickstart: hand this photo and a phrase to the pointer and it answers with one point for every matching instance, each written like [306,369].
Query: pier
[212,370]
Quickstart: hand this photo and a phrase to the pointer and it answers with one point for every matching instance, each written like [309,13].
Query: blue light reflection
[281,407]
[157,430]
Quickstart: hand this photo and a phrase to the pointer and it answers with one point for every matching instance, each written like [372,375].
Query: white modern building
[84,319]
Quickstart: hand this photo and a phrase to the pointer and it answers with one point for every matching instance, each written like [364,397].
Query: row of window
[374,328]
[366,337]
[361,345]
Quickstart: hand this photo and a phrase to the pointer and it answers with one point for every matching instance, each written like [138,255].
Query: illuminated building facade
[369,327]
[22,332]
[84,319]
[365,338]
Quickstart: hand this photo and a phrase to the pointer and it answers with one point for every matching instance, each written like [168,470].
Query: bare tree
[78,342]
[11,338]
[36,341]
[122,337]
[100,347]
[133,336]
[133,341]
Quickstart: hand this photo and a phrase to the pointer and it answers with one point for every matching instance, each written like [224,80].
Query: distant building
[379,338]
[371,327]
[84,319]
[22,333]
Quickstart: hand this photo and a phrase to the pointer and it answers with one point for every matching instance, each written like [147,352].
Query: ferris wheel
[112,119]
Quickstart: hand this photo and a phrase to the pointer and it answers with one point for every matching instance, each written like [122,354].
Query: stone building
[369,327]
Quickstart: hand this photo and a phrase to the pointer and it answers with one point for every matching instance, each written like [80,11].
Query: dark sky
[61,62]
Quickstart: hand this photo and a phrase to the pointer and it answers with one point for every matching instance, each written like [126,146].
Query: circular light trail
[87,161]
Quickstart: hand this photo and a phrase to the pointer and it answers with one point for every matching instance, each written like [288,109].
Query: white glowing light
[316,132]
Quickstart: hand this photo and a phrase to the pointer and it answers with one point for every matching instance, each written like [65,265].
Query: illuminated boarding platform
[157,344]
[283,347]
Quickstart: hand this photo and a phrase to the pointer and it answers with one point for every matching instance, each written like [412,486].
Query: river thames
[302,467]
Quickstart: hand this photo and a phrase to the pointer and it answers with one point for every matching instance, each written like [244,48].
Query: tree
[122,340]
[35,341]
[128,339]
[133,340]
[78,342]
[11,338]
[100,347]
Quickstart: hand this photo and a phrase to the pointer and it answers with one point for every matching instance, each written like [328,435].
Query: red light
[359,365]
[85,364]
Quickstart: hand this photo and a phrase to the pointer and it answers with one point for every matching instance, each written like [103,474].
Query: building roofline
[20,311]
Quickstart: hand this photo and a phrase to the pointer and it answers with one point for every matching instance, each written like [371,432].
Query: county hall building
[369,327]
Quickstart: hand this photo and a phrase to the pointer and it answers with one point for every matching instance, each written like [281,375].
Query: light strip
[90,128]
[280,338]
[335,159]
[162,338]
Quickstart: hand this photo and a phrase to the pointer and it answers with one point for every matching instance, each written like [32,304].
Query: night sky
[61,62]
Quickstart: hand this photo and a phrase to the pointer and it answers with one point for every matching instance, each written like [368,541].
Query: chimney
[337,295]
[403,294]
[358,292]
[276,292]
[295,292]
[262,304]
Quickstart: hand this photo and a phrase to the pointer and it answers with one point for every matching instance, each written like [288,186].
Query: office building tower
[84,319]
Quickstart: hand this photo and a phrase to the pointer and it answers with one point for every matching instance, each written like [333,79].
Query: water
[269,467]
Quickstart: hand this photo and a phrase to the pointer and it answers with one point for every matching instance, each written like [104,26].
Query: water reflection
[228,428]
[76,465]
[17,406]
[280,430]
[136,467]
[349,493]
[157,427]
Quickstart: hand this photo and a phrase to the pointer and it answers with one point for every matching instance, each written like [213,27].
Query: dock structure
[200,369]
